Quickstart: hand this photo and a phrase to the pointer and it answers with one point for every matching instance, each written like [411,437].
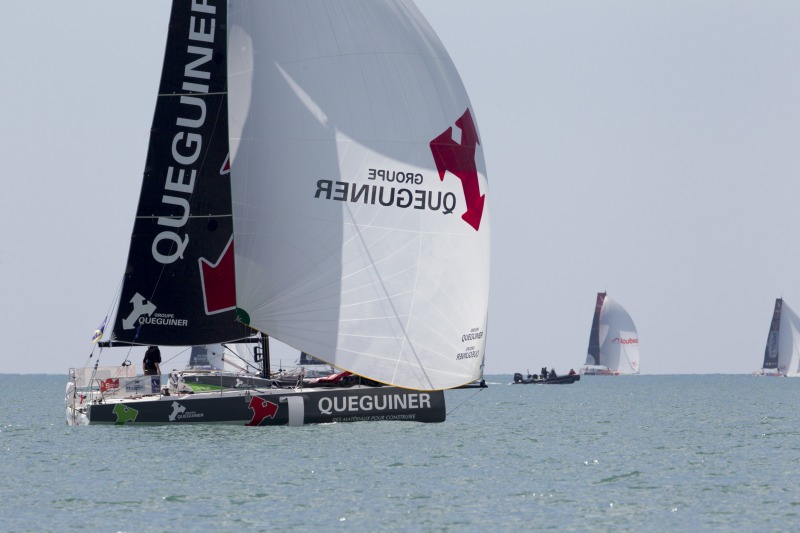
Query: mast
[264,355]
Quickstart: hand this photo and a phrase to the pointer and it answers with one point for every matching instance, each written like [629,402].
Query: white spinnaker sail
[789,342]
[619,341]
[348,244]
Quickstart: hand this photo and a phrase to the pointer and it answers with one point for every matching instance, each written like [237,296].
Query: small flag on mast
[99,331]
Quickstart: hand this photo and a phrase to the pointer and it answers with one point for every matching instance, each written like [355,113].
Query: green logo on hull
[125,413]
[242,316]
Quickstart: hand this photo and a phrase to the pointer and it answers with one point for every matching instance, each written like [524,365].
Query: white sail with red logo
[613,340]
[361,220]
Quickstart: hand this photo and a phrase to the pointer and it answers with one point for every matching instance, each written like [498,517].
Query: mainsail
[613,340]
[179,286]
[782,352]
[771,350]
[593,354]
[359,190]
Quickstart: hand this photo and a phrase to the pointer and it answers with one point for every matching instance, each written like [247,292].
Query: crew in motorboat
[571,371]
[553,373]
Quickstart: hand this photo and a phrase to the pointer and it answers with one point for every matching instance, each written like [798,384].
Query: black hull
[275,407]
[560,380]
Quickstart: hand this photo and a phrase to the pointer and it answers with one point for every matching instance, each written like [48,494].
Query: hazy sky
[649,149]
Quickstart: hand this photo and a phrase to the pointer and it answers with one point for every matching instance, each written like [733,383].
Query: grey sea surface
[635,453]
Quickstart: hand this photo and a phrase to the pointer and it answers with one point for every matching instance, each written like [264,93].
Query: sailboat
[782,353]
[613,341]
[314,175]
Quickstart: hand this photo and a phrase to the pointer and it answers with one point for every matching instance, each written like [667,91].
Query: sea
[628,453]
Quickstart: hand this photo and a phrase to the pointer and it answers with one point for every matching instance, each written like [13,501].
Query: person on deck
[553,373]
[152,361]
[571,371]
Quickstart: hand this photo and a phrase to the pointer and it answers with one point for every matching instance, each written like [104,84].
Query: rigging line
[465,401]
[402,325]
[109,314]
[630,365]
[248,366]
[176,355]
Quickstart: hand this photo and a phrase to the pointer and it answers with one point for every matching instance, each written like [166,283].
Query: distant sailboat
[613,341]
[782,353]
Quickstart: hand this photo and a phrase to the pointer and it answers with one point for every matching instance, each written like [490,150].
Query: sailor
[553,373]
[571,371]
[152,361]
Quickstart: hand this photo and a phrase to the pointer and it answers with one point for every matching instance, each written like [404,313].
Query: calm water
[644,453]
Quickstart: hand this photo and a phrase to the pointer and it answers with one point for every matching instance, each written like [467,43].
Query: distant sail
[771,350]
[782,353]
[613,340]
[593,355]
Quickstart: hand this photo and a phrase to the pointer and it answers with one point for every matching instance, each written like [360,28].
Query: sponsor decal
[135,386]
[109,384]
[179,412]
[459,160]
[144,313]
[125,414]
[226,166]
[155,384]
[374,418]
[374,402]
[387,196]
[187,144]
[141,307]
[261,409]
[617,340]
[405,188]
[218,281]
[470,352]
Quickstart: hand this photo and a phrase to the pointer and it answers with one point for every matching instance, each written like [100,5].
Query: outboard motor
[517,377]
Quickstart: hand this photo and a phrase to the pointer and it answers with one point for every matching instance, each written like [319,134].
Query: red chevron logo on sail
[459,160]
[218,280]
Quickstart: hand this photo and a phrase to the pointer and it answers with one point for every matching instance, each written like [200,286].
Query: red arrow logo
[459,160]
[261,409]
[226,166]
[219,281]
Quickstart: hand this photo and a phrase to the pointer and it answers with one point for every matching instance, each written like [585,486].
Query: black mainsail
[179,284]
[771,350]
[593,353]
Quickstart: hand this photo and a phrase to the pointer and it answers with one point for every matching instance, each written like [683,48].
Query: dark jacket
[151,357]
